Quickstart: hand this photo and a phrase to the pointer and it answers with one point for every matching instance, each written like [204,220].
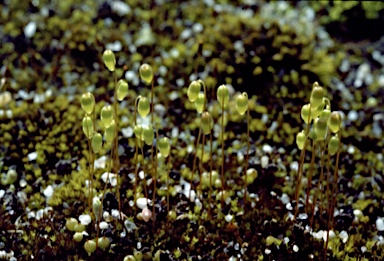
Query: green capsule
[109,60]
[143,107]
[104,242]
[87,102]
[317,95]
[148,135]
[146,73]
[193,90]
[300,140]
[325,113]
[206,122]
[138,130]
[88,126]
[223,95]
[334,121]
[109,133]
[90,246]
[320,128]
[305,113]
[96,142]
[333,145]
[106,115]
[164,146]
[199,102]
[242,103]
[122,89]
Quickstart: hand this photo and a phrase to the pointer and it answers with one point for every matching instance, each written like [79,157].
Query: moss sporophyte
[321,136]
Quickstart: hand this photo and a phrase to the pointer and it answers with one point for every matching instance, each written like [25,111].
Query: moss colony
[136,153]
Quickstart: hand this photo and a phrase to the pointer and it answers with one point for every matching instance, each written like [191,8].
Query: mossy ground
[273,51]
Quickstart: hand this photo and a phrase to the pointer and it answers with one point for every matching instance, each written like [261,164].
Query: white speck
[289,206]
[264,161]
[141,174]
[112,178]
[284,198]
[295,248]
[48,192]
[351,149]
[32,156]
[186,33]
[30,29]
[294,165]
[331,235]
[85,219]
[380,224]
[267,148]
[115,46]
[267,251]
[103,225]
[175,132]
[240,157]
[9,114]
[116,214]
[358,213]
[2,192]
[344,236]
[163,70]
[127,132]
[39,214]
[344,67]
[121,8]
[228,218]
[142,202]
[39,98]
[363,249]
[180,82]
[303,216]
[197,28]
[352,115]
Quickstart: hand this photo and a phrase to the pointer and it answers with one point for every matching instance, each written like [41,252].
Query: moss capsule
[109,60]
[87,102]
[146,73]
[122,89]
[242,103]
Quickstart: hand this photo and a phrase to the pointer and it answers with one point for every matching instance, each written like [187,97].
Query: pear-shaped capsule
[206,122]
[90,246]
[148,135]
[87,126]
[193,90]
[87,102]
[305,113]
[317,96]
[199,102]
[242,103]
[104,242]
[122,89]
[109,60]
[106,115]
[146,73]
[223,95]
[109,133]
[333,145]
[320,128]
[96,142]
[334,121]
[138,130]
[164,146]
[300,140]
[143,107]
